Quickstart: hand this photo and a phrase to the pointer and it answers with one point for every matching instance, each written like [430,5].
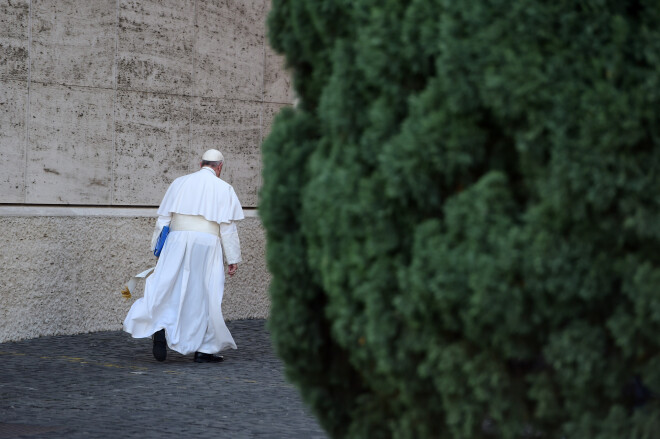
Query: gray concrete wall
[102,104]
[64,272]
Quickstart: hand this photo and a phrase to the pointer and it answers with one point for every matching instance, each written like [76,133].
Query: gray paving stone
[107,384]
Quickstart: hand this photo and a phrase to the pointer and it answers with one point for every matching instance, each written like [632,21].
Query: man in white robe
[182,300]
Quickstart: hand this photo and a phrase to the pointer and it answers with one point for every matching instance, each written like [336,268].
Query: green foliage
[463,218]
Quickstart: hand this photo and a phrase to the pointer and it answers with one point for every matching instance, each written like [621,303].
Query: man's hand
[232,269]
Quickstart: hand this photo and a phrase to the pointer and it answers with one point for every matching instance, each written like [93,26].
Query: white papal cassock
[184,294]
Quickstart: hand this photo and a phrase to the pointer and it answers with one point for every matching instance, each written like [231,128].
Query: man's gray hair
[207,163]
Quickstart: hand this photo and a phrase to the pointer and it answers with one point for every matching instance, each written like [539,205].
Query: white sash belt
[193,223]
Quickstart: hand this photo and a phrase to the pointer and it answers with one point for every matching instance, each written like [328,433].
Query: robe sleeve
[231,246]
[162,221]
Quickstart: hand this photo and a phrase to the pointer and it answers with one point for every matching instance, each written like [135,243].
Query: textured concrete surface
[107,385]
[234,70]
[277,81]
[233,127]
[13,135]
[63,275]
[151,146]
[104,103]
[155,41]
[70,145]
[73,42]
[14,39]
[246,293]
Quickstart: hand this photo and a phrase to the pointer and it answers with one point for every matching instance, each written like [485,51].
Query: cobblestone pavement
[108,385]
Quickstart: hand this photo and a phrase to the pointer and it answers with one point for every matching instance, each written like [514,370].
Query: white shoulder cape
[202,193]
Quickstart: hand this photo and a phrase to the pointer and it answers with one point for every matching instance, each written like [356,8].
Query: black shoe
[201,357]
[160,345]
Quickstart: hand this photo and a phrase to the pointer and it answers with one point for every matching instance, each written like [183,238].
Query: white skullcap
[213,155]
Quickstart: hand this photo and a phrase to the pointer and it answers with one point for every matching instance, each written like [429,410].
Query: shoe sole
[160,345]
[199,360]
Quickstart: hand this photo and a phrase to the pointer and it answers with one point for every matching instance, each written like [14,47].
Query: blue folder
[161,240]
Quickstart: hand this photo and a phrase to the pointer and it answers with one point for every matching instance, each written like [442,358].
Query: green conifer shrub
[463,216]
